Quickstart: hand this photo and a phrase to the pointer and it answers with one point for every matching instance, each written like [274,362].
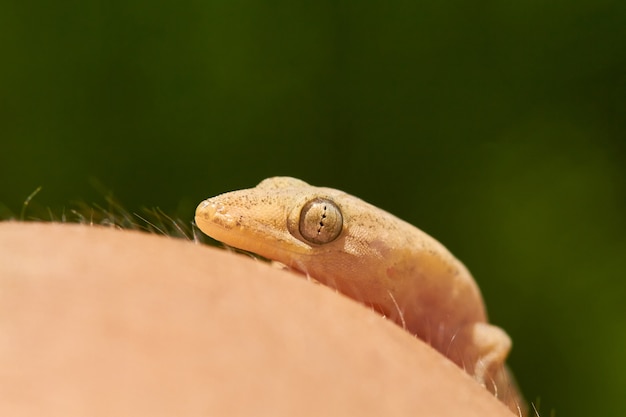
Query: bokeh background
[497,127]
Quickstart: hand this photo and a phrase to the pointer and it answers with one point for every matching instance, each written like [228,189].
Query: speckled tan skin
[374,258]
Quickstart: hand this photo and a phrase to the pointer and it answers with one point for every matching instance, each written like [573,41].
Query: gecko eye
[320,221]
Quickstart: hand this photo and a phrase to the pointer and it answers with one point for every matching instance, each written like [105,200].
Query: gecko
[372,257]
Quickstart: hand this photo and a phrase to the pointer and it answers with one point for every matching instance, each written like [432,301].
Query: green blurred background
[497,127]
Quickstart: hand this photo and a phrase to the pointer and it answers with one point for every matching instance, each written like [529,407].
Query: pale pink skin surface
[376,259]
[105,322]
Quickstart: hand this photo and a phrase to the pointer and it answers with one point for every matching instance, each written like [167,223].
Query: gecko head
[282,218]
[321,232]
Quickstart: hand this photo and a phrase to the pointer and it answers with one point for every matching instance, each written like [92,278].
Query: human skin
[99,321]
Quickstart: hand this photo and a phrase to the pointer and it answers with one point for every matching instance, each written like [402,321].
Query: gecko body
[371,256]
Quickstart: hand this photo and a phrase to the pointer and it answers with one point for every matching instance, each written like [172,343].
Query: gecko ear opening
[320,221]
